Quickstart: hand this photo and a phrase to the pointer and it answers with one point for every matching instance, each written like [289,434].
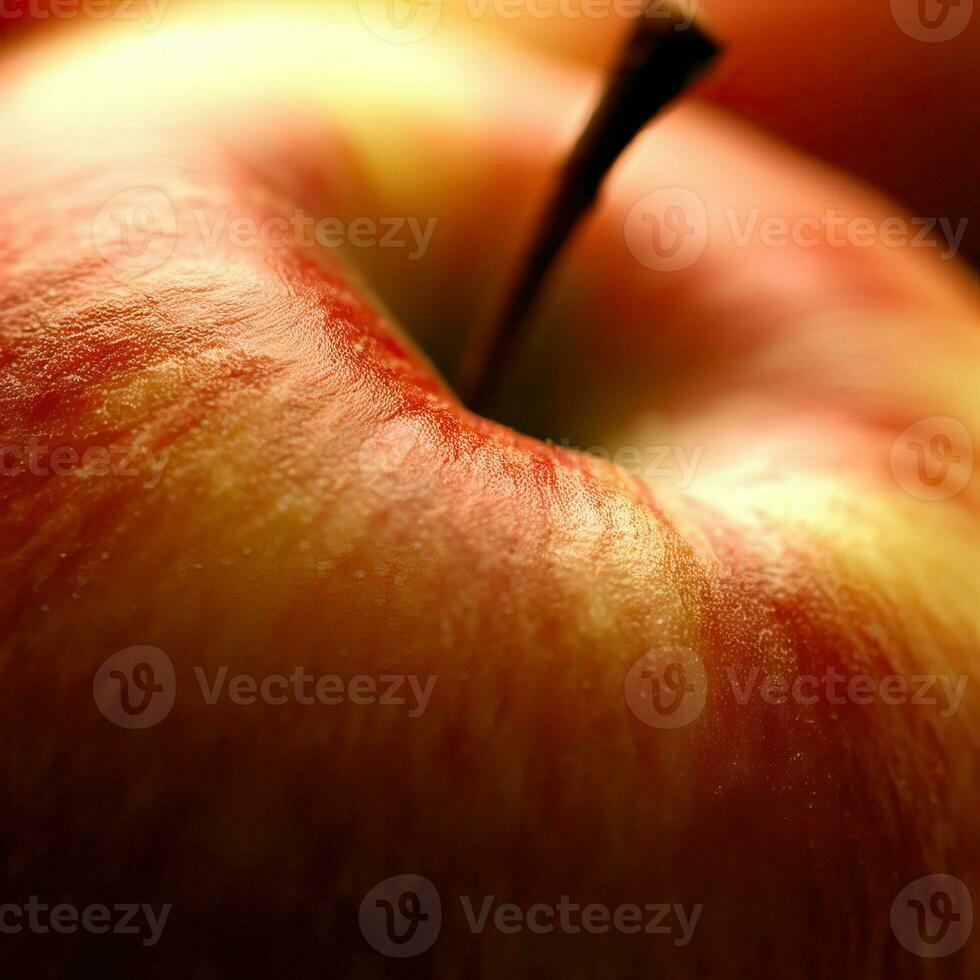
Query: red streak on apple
[326,502]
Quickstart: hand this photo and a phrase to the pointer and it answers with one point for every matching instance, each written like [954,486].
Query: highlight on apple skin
[665,669]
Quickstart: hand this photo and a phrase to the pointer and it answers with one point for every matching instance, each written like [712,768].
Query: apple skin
[831,77]
[526,577]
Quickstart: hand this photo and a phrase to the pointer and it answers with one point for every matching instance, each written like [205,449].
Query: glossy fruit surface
[305,491]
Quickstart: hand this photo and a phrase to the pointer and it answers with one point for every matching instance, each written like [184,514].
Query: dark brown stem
[664,52]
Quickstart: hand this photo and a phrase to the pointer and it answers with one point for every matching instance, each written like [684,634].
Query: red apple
[887,89]
[306,513]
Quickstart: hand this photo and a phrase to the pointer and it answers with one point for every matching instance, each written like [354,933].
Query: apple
[887,89]
[306,666]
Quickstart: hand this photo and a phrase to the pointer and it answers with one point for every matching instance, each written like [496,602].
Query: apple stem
[664,52]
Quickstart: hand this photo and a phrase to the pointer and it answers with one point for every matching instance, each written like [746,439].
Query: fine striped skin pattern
[691,623]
